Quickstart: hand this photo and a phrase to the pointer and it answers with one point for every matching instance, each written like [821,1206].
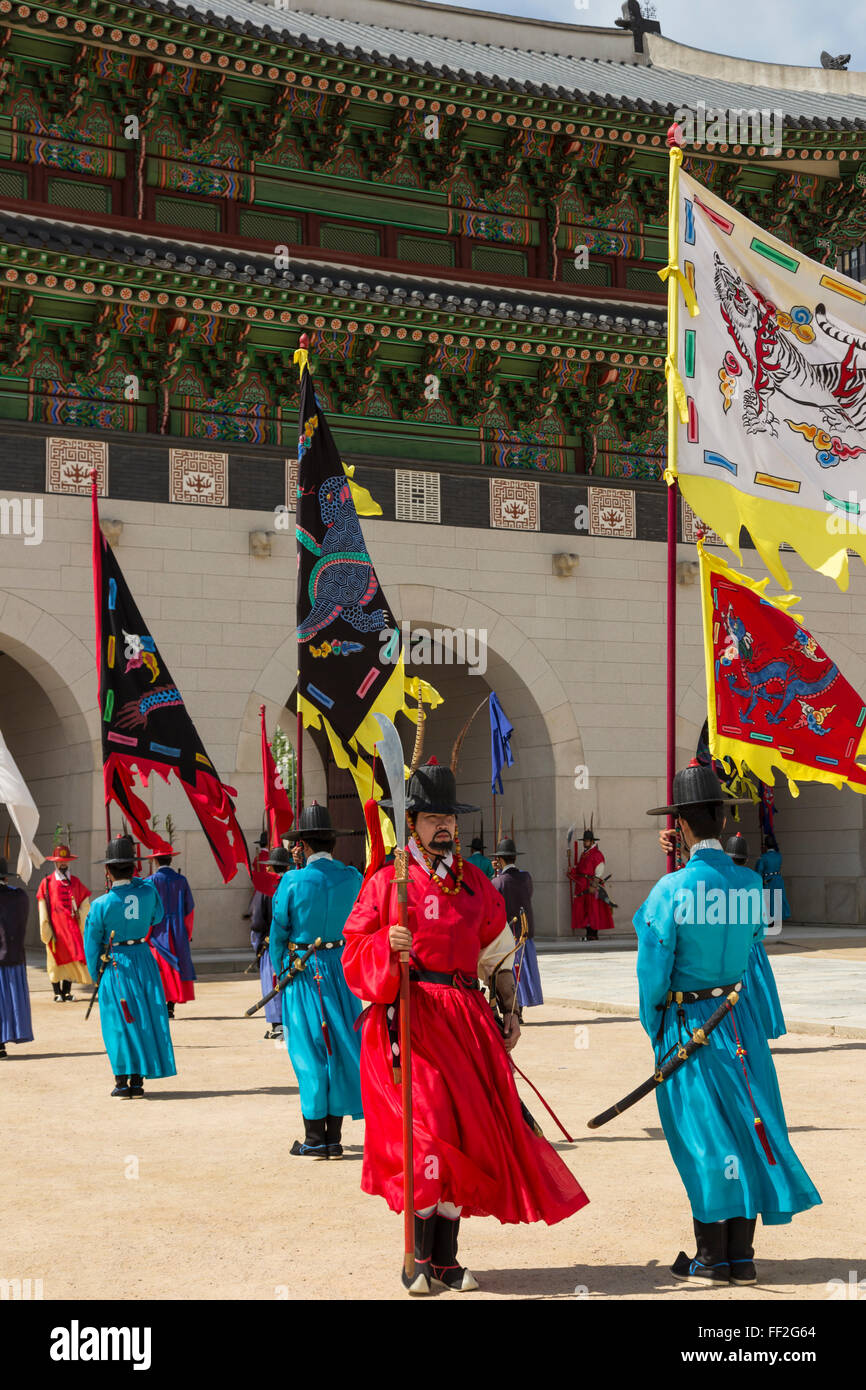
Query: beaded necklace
[442,882]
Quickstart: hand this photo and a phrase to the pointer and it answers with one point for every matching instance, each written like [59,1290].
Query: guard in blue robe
[319,1010]
[279,861]
[15,1024]
[170,940]
[759,981]
[721,1111]
[769,866]
[515,885]
[132,1009]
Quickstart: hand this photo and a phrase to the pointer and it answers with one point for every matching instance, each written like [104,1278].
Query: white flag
[22,809]
[774,387]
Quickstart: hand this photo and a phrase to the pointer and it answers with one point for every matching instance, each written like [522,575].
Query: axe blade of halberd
[390,751]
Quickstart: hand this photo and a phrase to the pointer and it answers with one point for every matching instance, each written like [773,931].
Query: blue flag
[500,743]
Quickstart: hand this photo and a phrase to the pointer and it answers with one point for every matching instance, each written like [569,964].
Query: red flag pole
[96,550]
[304,342]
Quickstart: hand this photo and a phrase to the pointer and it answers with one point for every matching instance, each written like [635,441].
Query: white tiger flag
[773,374]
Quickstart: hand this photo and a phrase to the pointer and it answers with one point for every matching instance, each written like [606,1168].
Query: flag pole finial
[674,136]
[302,355]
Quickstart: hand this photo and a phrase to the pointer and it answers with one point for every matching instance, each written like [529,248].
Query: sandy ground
[191,1193]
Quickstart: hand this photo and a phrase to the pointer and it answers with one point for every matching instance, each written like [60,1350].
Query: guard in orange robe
[63,903]
[590,912]
[474,1152]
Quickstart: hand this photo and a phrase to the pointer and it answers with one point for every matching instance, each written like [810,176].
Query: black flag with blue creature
[350,657]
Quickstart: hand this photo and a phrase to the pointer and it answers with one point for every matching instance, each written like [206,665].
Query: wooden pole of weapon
[299,736]
[401,878]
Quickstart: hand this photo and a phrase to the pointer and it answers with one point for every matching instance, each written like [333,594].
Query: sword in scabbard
[103,961]
[292,969]
[667,1069]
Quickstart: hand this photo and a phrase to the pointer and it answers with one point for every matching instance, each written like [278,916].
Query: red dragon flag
[775,698]
[145,724]
[277,804]
[769,381]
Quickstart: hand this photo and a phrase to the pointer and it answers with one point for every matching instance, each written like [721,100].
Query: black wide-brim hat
[507,847]
[697,785]
[5,871]
[314,823]
[279,858]
[738,848]
[432,789]
[120,850]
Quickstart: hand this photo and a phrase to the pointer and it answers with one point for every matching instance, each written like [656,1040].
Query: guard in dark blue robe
[279,861]
[319,1010]
[515,885]
[721,1111]
[170,940]
[15,1023]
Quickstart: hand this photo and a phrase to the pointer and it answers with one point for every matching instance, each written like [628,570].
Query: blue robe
[170,938]
[705,1108]
[15,1022]
[315,902]
[481,862]
[515,885]
[140,1045]
[260,924]
[760,985]
[769,866]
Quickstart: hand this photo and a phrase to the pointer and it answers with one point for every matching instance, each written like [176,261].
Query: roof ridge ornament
[640,23]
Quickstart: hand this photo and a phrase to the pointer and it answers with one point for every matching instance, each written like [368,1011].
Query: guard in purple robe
[515,885]
[15,1023]
[170,939]
[261,910]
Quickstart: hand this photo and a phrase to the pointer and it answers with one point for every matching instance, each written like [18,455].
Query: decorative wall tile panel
[612,512]
[514,505]
[196,475]
[691,525]
[291,484]
[68,463]
[416,496]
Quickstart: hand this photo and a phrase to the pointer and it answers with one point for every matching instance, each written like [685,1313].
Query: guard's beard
[441,844]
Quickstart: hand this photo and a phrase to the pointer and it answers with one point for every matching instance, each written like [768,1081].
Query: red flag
[145,724]
[277,803]
[776,699]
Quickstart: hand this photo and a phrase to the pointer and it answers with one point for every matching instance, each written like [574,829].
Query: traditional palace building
[466,213]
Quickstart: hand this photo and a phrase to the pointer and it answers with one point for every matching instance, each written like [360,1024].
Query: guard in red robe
[474,1152]
[590,908]
[63,903]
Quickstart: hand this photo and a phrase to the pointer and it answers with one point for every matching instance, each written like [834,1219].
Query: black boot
[741,1249]
[136,1085]
[121,1087]
[58,996]
[171,1009]
[419,1284]
[710,1264]
[2,1050]
[445,1269]
[314,1144]
[333,1135]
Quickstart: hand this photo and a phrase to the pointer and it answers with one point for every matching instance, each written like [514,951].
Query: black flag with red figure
[146,726]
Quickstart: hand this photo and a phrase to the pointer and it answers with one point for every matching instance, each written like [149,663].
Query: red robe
[587,910]
[64,899]
[472,1146]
